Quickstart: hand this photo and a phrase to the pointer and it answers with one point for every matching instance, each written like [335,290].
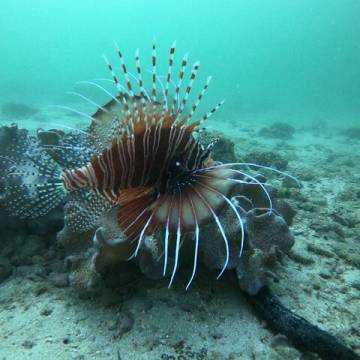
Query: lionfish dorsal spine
[168,76]
[153,71]
[140,79]
[188,89]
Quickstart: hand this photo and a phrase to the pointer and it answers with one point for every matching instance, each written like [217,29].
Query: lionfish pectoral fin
[33,186]
[135,209]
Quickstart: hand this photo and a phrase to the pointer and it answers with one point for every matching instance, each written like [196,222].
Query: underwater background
[290,57]
[289,72]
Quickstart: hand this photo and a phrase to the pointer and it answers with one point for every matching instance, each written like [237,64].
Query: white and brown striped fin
[183,65]
[212,111]
[153,72]
[139,76]
[188,89]
[168,76]
[199,98]
[124,70]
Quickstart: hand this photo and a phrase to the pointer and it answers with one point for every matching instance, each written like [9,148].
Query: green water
[299,59]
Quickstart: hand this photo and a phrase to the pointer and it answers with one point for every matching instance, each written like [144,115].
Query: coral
[278,130]
[17,146]
[5,269]
[14,110]
[268,239]
[267,158]
[352,133]
[224,148]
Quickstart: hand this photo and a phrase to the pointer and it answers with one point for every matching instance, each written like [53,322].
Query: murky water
[289,72]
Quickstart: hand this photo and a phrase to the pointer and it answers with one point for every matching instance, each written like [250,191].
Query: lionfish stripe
[213,110]
[153,210]
[166,239]
[218,223]
[134,221]
[115,79]
[104,172]
[131,153]
[196,245]
[132,214]
[146,153]
[140,80]
[111,168]
[178,85]
[142,234]
[178,237]
[124,70]
[229,202]
[133,158]
[168,77]
[119,88]
[256,181]
[120,161]
[154,138]
[153,63]
[168,150]
[75,179]
[189,86]
[103,89]
[88,100]
[199,98]
[109,195]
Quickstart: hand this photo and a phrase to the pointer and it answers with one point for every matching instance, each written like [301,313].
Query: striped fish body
[149,172]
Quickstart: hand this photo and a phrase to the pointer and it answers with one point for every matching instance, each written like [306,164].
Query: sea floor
[42,318]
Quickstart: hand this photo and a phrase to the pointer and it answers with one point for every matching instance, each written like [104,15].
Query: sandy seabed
[320,279]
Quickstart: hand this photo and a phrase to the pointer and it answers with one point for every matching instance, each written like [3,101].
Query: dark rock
[5,269]
[278,130]
[286,210]
[352,133]
[267,158]
[223,149]
[33,246]
[300,258]
[46,311]
[268,239]
[30,271]
[59,280]
[28,344]
[14,110]
[290,183]
[125,324]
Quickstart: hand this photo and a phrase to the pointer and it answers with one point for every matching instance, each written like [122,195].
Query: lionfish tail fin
[30,186]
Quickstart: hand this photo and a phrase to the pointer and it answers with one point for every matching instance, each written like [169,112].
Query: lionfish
[150,162]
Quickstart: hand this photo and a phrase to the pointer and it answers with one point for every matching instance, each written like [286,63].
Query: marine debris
[304,335]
